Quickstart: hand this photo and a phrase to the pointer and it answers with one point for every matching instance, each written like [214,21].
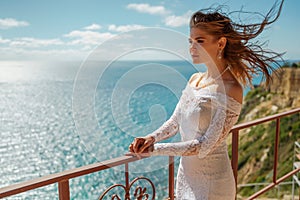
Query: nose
[193,47]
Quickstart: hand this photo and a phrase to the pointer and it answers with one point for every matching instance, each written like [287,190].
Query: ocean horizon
[63,115]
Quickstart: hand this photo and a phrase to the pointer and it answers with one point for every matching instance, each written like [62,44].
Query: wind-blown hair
[246,58]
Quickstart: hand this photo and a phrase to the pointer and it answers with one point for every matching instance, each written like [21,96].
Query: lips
[195,56]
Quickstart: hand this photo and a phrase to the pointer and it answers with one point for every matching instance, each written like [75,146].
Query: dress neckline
[218,93]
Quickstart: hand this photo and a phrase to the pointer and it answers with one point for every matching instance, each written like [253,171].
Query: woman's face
[202,46]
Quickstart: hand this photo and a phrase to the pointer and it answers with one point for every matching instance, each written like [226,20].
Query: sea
[57,116]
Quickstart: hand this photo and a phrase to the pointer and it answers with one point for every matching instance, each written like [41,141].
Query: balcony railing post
[171,178]
[276,146]
[234,153]
[127,195]
[63,190]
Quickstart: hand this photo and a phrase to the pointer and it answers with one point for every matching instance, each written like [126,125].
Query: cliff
[287,86]
[282,94]
[256,144]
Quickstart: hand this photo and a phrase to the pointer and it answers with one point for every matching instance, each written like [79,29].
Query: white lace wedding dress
[204,119]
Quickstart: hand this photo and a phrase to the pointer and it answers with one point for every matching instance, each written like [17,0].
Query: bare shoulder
[234,89]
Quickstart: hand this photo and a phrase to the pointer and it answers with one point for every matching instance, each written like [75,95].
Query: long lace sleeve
[168,129]
[221,123]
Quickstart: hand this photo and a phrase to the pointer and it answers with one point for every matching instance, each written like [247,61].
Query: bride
[210,105]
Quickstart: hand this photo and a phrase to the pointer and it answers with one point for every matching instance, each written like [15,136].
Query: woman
[210,104]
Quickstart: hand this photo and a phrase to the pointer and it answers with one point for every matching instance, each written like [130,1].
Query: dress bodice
[203,117]
[197,107]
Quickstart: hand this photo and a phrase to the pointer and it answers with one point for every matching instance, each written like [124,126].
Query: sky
[71,29]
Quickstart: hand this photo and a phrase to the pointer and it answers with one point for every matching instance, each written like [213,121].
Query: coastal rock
[287,85]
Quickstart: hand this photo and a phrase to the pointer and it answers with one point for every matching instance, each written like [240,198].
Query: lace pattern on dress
[201,146]
[225,115]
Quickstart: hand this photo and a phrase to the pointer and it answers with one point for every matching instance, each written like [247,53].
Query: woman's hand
[141,145]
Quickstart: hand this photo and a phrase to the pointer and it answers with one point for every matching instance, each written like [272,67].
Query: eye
[200,41]
[190,41]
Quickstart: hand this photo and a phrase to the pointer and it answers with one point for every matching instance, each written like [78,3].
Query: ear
[222,42]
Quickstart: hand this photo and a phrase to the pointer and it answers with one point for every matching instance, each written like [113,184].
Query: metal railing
[296,164]
[63,178]
[235,145]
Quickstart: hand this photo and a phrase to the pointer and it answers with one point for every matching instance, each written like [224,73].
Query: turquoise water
[38,127]
[44,131]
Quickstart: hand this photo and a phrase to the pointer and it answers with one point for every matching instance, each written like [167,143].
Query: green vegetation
[256,148]
[252,99]
[261,141]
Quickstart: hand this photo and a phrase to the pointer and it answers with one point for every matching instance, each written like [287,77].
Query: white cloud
[146,8]
[92,27]
[76,44]
[34,43]
[4,41]
[88,37]
[177,21]
[124,28]
[12,53]
[11,23]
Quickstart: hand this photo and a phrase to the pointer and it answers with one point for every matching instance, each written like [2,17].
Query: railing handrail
[62,177]
[264,119]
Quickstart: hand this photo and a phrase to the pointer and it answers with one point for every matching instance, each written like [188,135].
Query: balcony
[140,192]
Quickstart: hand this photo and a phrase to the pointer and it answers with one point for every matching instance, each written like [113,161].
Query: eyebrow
[197,38]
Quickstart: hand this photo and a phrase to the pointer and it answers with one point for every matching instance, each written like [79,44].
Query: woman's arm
[168,129]
[171,126]
[217,131]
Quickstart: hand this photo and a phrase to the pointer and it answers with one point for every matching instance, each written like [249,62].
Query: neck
[216,70]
